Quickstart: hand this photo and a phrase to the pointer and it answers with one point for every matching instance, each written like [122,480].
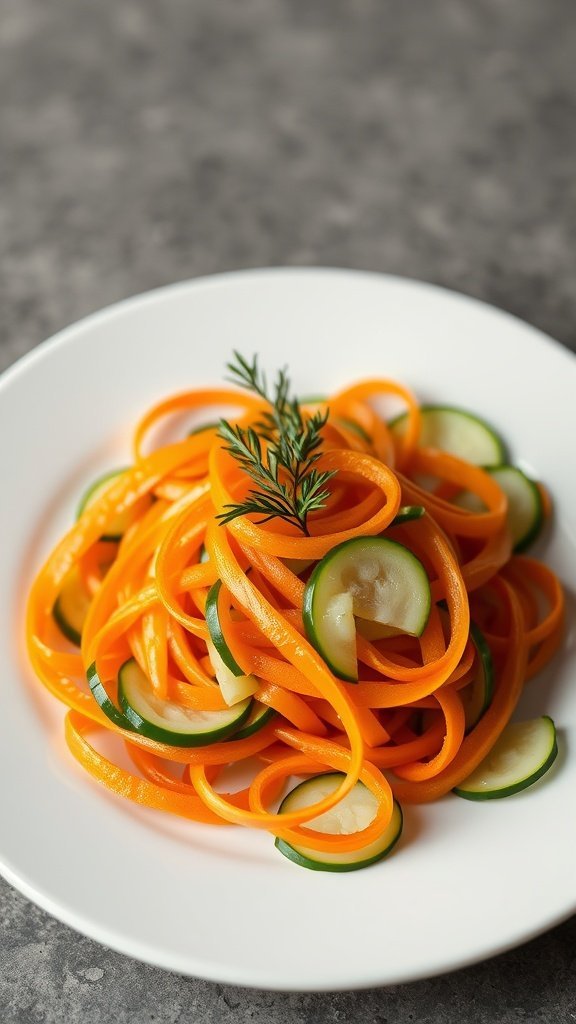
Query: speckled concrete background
[142,143]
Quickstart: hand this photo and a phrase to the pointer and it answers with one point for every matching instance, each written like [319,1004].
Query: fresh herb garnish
[279,453]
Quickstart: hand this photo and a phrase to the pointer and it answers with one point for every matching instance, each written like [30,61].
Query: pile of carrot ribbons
[400,729]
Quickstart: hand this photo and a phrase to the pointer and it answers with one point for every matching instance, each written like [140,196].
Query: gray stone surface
[145,142]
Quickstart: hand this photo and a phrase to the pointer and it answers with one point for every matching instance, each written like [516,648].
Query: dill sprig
[279,453]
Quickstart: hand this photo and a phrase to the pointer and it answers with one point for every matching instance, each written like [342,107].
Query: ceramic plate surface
[468,880]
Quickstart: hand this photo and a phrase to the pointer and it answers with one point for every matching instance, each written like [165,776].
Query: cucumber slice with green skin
[116,527]
[407,514]
[234,683]
[522,755]
[259,716]
[104,701]
[457,432]
[372,577]
[525,507]
[71,608]
[167,722]
[355,812]
[212,615]
[235,688]
[477,695]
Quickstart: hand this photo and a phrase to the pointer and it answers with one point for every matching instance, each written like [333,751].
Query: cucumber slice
[172,723]
[235,688]
[71,608]
[104,701]
[119,524]
[477,695]
[212,615]
[521,756]
[259,716]
[407,514]
[525,508]
[372,577]
[458,432]
[235,685]
[356,811]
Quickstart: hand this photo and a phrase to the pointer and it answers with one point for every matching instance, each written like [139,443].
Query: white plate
[469,880]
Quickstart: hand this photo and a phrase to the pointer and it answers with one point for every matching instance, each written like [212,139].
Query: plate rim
[66,335]
[213,972]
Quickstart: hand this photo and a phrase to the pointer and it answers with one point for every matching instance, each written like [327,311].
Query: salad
[342,600]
